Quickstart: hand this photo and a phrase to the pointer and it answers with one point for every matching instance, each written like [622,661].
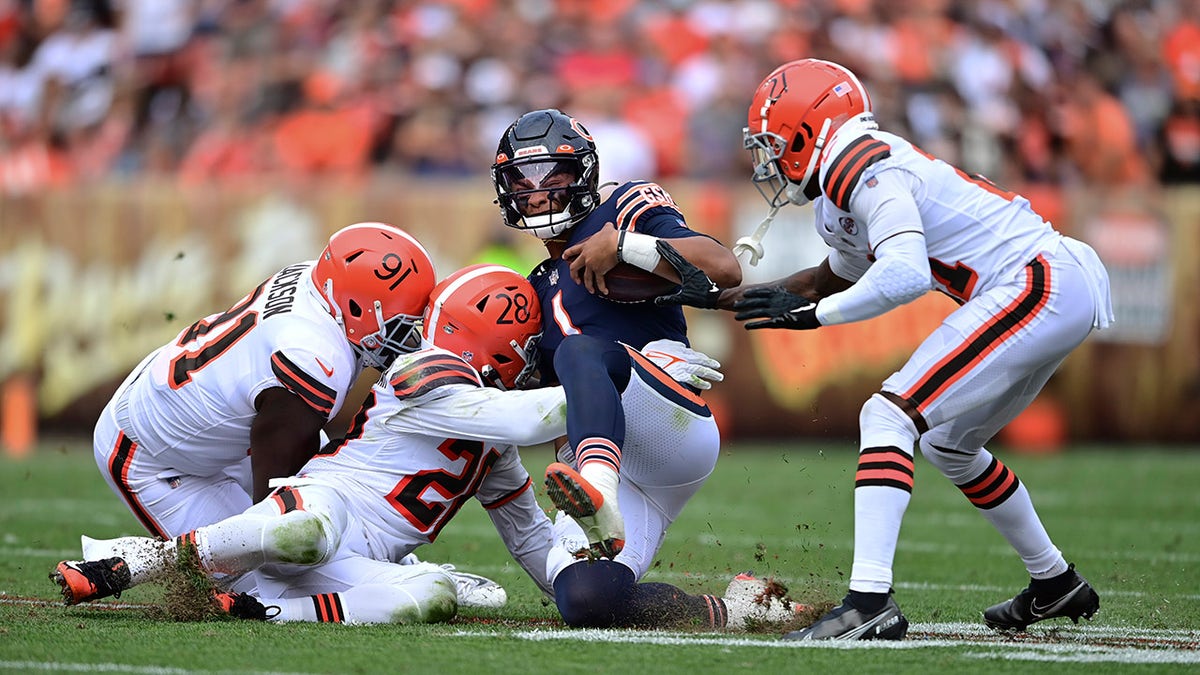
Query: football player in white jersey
[430,437]
[197,429]
[899,223]
[194,433]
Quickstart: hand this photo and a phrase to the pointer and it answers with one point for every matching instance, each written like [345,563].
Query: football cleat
[244,606]
[1031,605]
[845,622]
[473,590]
[576,497]
[750,601]
[476,591]
[84,581]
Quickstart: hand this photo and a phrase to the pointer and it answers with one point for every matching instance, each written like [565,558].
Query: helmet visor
[539,186]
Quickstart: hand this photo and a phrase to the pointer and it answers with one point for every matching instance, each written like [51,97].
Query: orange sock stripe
[335,599]
[886,455]
[886,467]
[993,487]
[718,615]
[329,608]
[598,450]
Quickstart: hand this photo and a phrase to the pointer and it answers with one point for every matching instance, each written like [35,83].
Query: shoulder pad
[419,373]
[635,198]
[844,167]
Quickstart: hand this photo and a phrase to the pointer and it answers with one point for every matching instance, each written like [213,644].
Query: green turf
[1128,516]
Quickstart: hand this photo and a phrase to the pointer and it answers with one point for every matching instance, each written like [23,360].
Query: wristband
[638,250]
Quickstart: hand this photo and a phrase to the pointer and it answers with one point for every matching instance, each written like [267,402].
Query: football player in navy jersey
[621,476]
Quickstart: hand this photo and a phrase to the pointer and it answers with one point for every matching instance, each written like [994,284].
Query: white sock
[878,511]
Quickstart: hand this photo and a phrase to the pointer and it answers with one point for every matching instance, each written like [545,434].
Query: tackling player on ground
[201,424]
[622,474]
[899,223]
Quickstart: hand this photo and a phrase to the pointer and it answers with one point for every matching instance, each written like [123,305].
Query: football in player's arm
[899,223]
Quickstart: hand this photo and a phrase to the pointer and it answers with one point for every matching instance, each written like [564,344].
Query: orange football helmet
[795,110]
[375,280]
[491,317]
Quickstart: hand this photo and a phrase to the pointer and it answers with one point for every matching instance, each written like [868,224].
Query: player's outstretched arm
[526,532]
[284,435]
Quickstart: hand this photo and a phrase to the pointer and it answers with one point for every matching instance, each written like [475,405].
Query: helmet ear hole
[355,309]
[501,359]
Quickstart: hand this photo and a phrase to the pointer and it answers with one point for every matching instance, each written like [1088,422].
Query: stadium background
[159,158]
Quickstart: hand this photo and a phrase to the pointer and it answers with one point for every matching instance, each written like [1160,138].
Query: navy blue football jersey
[568,308]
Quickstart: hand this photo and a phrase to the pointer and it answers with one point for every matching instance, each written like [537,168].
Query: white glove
[683,364]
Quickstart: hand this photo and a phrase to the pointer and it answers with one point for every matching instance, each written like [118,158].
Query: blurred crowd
[1056,92]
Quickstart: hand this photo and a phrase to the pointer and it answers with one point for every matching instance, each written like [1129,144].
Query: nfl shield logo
[553,277]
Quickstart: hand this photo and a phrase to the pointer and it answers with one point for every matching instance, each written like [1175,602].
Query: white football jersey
[194,397]
[429,437]
[976,234]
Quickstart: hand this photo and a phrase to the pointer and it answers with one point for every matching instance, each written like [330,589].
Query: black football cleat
[84,581]
[1074,598]
[244,606]
[845,622]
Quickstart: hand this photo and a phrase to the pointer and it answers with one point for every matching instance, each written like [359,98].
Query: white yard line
[986,645]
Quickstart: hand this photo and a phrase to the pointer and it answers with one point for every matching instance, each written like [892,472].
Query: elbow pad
[899,280]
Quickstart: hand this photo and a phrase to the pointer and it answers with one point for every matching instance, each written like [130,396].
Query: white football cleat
[750,601]
[473,590]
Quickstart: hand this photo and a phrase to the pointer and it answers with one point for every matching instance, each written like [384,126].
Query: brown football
[629,283]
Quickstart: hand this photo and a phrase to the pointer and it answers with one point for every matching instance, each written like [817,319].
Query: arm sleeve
[485,414]
[526,532]
[900,273]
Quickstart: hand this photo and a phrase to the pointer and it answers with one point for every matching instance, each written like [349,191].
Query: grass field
[1129,517]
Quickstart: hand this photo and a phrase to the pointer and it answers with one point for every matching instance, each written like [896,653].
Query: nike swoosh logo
[327,369]
[1042,611]
[656,356]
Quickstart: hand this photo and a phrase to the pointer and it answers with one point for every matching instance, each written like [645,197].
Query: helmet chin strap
[491,377]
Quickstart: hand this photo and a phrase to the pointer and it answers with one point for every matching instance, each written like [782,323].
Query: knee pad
[593,594]
[882,424]
[960,466]
[300,538]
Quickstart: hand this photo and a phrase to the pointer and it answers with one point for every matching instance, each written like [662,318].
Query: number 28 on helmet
[490,316]
[375,280]
[795,111]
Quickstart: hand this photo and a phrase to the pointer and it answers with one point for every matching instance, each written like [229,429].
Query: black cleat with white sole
[1068,595]
[845,622]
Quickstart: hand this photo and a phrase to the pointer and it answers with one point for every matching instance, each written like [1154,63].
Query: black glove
[695,288]
[778,308]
